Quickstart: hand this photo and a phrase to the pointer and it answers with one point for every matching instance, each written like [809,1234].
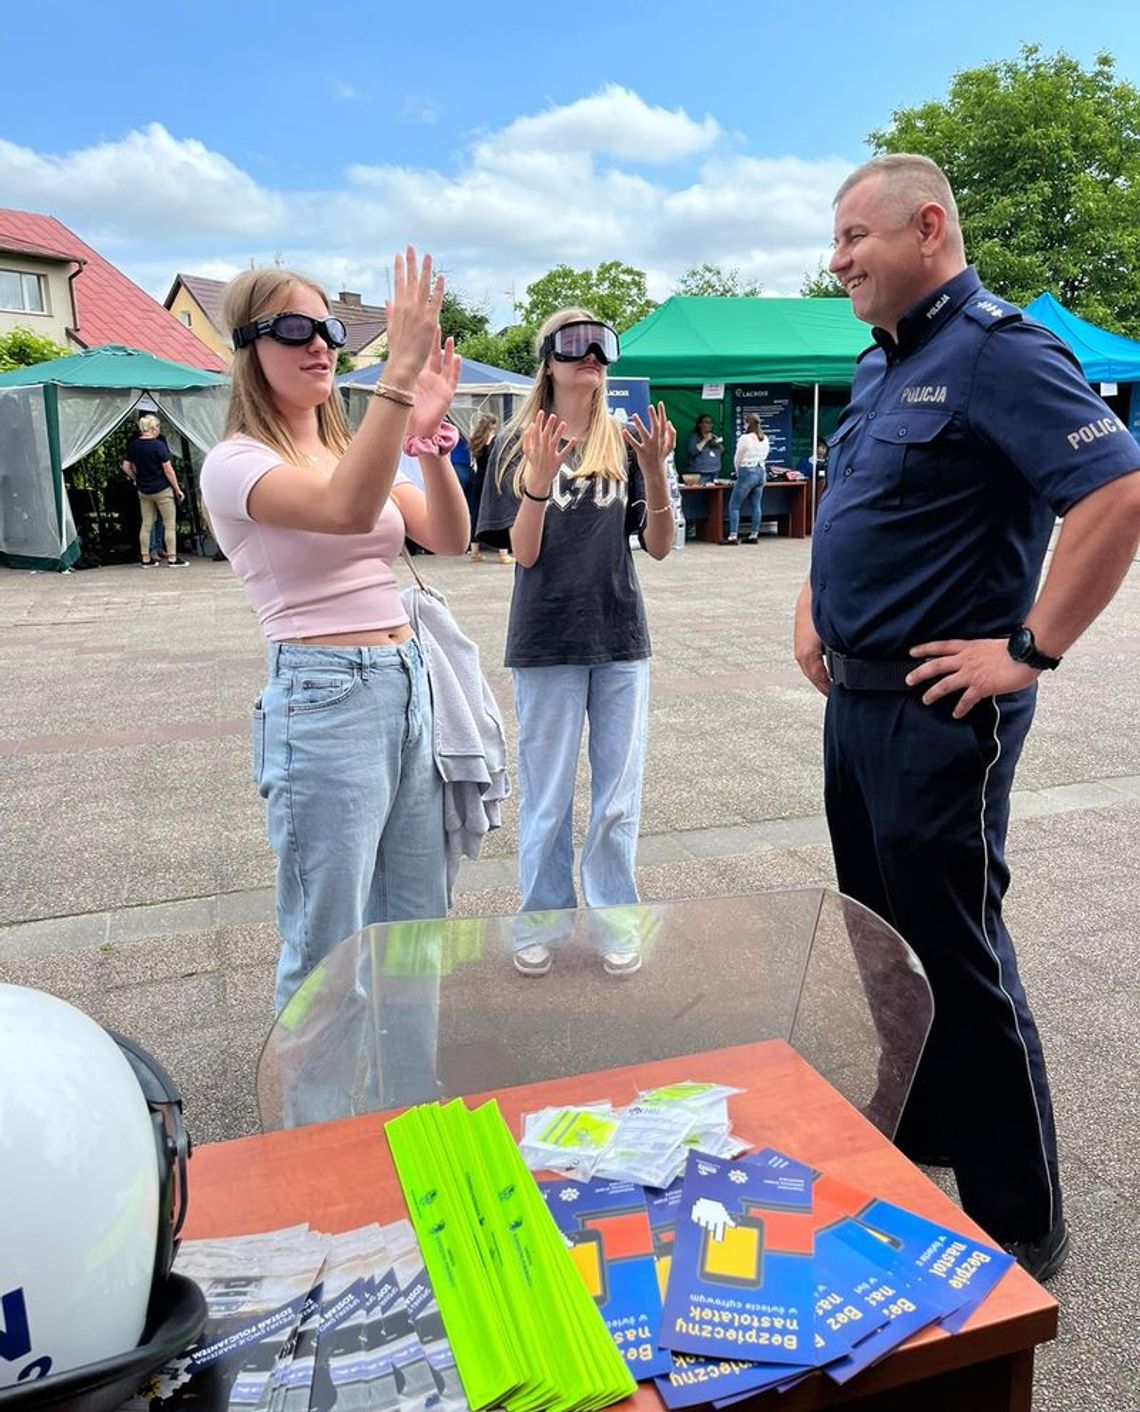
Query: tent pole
[51,416]
[814,447]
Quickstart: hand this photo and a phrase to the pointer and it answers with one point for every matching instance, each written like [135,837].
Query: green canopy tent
[52,414]
[690,342]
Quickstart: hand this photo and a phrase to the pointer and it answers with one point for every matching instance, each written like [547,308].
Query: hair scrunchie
[439,443]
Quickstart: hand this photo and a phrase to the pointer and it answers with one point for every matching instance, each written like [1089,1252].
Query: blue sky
[506,138]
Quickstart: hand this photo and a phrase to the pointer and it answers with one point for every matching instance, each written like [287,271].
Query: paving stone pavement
[137,881]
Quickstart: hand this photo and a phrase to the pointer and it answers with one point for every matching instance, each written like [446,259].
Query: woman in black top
[148,464]
[566,489]
[482,446]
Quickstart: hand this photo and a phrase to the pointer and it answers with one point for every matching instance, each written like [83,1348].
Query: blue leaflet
[607,1223]
[741,1283]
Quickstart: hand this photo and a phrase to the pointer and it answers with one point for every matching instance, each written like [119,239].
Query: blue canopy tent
[1104,356]
[481,389]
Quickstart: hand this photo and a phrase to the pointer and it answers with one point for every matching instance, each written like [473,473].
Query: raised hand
[413,317]
[435,387]
[651,445]
[545,447]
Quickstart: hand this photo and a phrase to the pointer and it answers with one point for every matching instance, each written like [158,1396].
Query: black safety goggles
[172,1146]
[574,341]
[293,329]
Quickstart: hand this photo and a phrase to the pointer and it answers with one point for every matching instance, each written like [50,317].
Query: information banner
[627,398]
[773,405]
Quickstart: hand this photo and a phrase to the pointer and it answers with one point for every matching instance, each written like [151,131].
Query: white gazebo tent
[52,414]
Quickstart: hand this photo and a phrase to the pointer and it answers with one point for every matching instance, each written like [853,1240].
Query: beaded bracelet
[394,394]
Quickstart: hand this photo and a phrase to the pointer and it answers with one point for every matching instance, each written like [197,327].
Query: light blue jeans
[553,704]
[748,492]
[342,756]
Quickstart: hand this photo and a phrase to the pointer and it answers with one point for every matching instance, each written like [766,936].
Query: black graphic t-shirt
[580,602]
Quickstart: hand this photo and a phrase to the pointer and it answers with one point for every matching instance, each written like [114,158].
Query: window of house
[22,292]
[184,315]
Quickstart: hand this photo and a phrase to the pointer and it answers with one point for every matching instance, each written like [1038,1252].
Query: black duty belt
[858,674]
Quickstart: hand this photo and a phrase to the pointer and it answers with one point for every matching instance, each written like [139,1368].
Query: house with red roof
[197,303]
[59,287]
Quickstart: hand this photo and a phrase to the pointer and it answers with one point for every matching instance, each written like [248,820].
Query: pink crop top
[301,583]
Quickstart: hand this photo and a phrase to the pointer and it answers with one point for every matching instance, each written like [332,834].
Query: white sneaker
[533,960]
[621,963]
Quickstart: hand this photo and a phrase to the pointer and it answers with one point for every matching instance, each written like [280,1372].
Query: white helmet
[86,1231]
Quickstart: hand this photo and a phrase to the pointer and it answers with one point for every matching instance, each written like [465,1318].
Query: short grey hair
[909,180]
[149,422]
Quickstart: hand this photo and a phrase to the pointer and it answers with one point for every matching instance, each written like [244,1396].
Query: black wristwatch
[1023,648]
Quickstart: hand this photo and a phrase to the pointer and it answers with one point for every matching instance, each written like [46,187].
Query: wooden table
[339,1175]
[790,498]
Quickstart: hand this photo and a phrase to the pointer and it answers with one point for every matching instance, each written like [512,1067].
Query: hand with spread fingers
[651,445]
[978,668]
[435,388]
[412,318]
[545,447]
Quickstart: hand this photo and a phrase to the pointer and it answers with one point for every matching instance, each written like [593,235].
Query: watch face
[1020,644]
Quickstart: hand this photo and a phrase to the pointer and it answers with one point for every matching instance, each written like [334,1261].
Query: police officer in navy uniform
[970,429]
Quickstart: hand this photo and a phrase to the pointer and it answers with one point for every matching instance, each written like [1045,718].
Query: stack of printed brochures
[657,1252]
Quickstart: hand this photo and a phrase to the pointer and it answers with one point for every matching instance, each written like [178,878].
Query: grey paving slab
[189,914]
[253,905]
[138,883]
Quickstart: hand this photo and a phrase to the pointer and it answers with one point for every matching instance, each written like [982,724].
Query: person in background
[750,459]
[705,449]
[312,522]
[482,449]
[815,465]
[569,487]
[149,466]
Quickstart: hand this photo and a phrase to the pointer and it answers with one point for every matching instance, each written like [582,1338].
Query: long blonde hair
[601,454]
[252,410]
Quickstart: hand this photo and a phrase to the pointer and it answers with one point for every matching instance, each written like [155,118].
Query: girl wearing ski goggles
[566,488]
[573,341]
[294,330]
[311,521]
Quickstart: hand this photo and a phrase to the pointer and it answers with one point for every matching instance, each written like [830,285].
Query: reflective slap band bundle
[524,1329]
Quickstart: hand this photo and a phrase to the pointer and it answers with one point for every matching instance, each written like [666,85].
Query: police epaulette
[990,311]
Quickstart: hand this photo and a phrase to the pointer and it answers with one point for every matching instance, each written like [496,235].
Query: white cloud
[420,108]
[150,182]
[348,93]
[613,123]
[567,185]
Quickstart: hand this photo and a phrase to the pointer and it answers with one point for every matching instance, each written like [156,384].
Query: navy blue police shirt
[963,441]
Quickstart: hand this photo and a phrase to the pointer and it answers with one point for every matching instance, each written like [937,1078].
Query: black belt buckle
[857,674]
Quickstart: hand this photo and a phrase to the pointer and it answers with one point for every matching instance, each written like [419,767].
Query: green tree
[460,320]
[1044,158]
[613,292]
[512,349]
[344,362]
[822,284]
[22,349]
[726,283]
